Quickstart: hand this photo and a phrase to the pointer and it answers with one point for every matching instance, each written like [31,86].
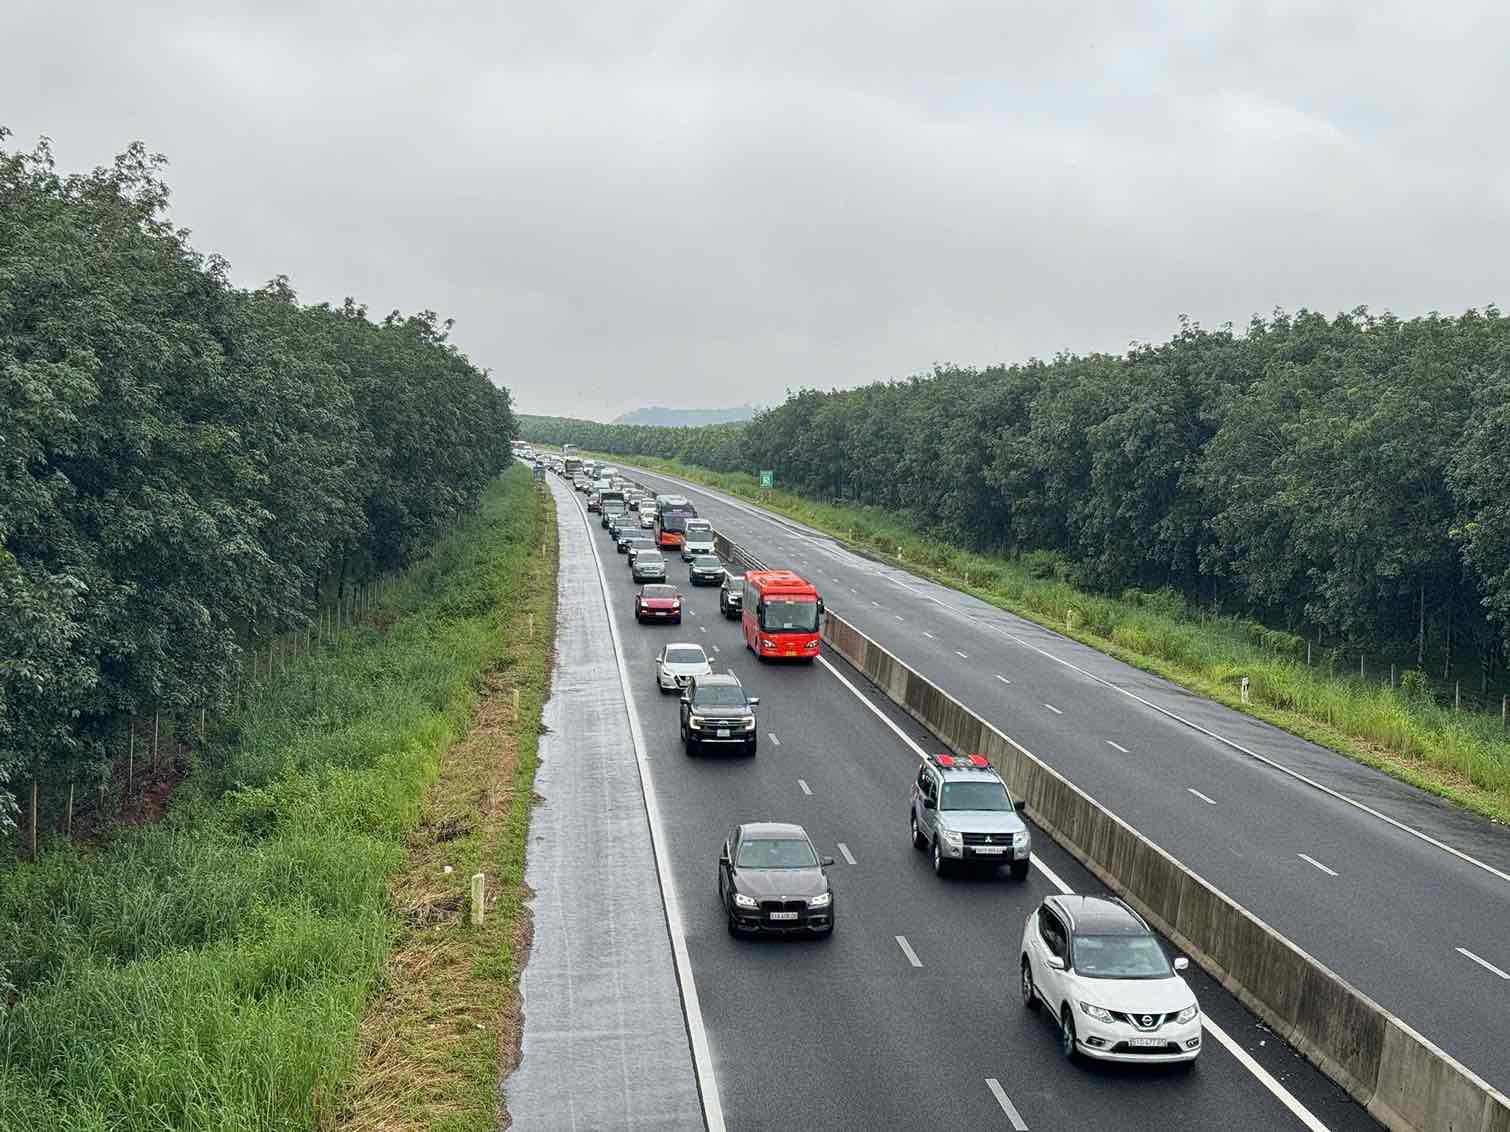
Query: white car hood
[1136,996]
[703,669]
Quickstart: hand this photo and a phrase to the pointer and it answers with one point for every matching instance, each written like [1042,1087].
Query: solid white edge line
[1006,1105]
[1202,797]
[1263,1076]
[912,956]
[1482,962]
[697,1033]
[1318,864]
[1118,746]
[806,789]
[844,852]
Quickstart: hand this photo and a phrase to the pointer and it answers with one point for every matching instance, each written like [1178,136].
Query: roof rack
[961,762]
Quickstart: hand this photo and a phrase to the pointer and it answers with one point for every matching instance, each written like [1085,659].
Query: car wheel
[1019,870]
[938,859]
[1029,994]
[733,924]
[1067,1042]
[694,746]
[677,620]
[751,746]
[918,840]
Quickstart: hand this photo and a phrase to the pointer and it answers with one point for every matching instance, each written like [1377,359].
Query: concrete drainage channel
[1403,1080]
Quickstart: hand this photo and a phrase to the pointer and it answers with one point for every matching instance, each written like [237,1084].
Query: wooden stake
[68,827]
[34,817]
[131,759]
[156,719]
[201,724]
[1457,695]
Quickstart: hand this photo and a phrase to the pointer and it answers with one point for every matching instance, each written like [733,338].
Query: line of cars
[1103,974]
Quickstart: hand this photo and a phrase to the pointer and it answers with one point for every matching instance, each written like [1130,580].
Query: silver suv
[962,809]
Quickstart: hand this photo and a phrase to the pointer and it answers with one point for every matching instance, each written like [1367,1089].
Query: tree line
[188,469]
[1346,478]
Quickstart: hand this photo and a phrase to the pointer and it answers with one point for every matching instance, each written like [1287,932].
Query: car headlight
[743,901]
[953,837]
[812,644]
[749,724]
[695,722]
[1095,1012]
[822,900]
[1188,1013]
[765,644]
[1020,838]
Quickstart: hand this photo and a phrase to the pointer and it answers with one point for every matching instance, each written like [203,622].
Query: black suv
[731,596]
[716,710]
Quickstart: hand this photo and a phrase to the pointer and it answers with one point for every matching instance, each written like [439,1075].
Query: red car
[658,603]
[595,502]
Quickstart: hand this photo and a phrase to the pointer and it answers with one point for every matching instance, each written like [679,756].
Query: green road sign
[767,478]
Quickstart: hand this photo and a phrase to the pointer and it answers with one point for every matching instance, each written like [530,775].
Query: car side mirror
[753,700]
[825,861]
[1055,963]
[1021,806]
[929,804]
[723,855]
[1181,964]
[686,699]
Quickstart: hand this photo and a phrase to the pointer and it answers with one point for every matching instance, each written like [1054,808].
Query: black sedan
[705,570]
[771,879]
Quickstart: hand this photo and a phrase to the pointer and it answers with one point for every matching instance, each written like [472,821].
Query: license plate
[723,732]
[990,849]
[660,613]
[1146,1042]
[783,915]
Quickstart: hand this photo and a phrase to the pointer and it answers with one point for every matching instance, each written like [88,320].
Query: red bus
[780,615]
[671,515]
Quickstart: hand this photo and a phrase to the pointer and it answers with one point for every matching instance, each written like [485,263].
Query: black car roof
[1100,915]
[725,678]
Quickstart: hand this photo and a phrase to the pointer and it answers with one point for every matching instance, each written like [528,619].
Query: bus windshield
[783,615]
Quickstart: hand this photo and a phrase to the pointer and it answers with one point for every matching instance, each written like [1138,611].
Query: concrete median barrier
[1404,1081]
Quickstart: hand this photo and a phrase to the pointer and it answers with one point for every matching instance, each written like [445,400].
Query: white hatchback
[677,663]
[1103,973]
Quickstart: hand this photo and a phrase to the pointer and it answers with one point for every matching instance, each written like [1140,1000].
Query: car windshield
[790,616]
[699,526]
[658,591]
[686,654]
[974,796]
[650,559]
[1120,957]
[777,853]
[706,560]
[720,695]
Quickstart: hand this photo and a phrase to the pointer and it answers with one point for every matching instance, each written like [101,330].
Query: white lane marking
[715,648]
[853,590]
[961,655]
[774,741]
[1053,709]
[912,956]
[1208,801]
[1484,963]
[702,628]
[1006,1104]
[845,853]
[877,604]
[1002,678]
[899,617]
[1262,1075]
[697,1032]
[1118,746]
[1318,864]
[1252,754]
[802,782]
[929,635]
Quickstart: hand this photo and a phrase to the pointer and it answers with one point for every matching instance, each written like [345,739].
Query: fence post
[532,626]
[130,757]
[1391,675]
[516,703]
[1505,712]
[1308,654]
[477,899]
[68,828]
[156,719]
[1361,675]
[1244,687]
[1457,695]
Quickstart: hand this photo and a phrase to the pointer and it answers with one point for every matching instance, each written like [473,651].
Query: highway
[909,1016]
[1400,893]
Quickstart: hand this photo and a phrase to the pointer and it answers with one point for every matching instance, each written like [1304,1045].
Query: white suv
[698,539]
[1103,973]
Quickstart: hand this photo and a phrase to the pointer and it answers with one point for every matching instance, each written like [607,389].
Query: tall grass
[208,972]
[1461,755]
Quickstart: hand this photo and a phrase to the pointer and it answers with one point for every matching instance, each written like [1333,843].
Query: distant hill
[656,415]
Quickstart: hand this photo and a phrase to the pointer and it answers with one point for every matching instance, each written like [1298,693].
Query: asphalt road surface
[909,1017]
[1404,895]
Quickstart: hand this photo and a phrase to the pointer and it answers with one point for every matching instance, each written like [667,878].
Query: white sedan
[676,664]
[1104,976]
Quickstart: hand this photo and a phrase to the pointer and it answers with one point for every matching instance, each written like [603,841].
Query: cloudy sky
[628,203]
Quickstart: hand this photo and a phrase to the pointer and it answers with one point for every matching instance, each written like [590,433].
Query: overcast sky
[701,205]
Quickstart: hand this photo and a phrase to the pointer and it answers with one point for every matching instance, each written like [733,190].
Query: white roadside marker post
[477,899]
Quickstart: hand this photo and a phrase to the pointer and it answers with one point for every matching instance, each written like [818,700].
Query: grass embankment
[211,971]
[1463,756]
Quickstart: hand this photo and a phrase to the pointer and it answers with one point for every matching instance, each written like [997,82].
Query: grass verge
[1462,756]
[211,971]
[447,1023]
